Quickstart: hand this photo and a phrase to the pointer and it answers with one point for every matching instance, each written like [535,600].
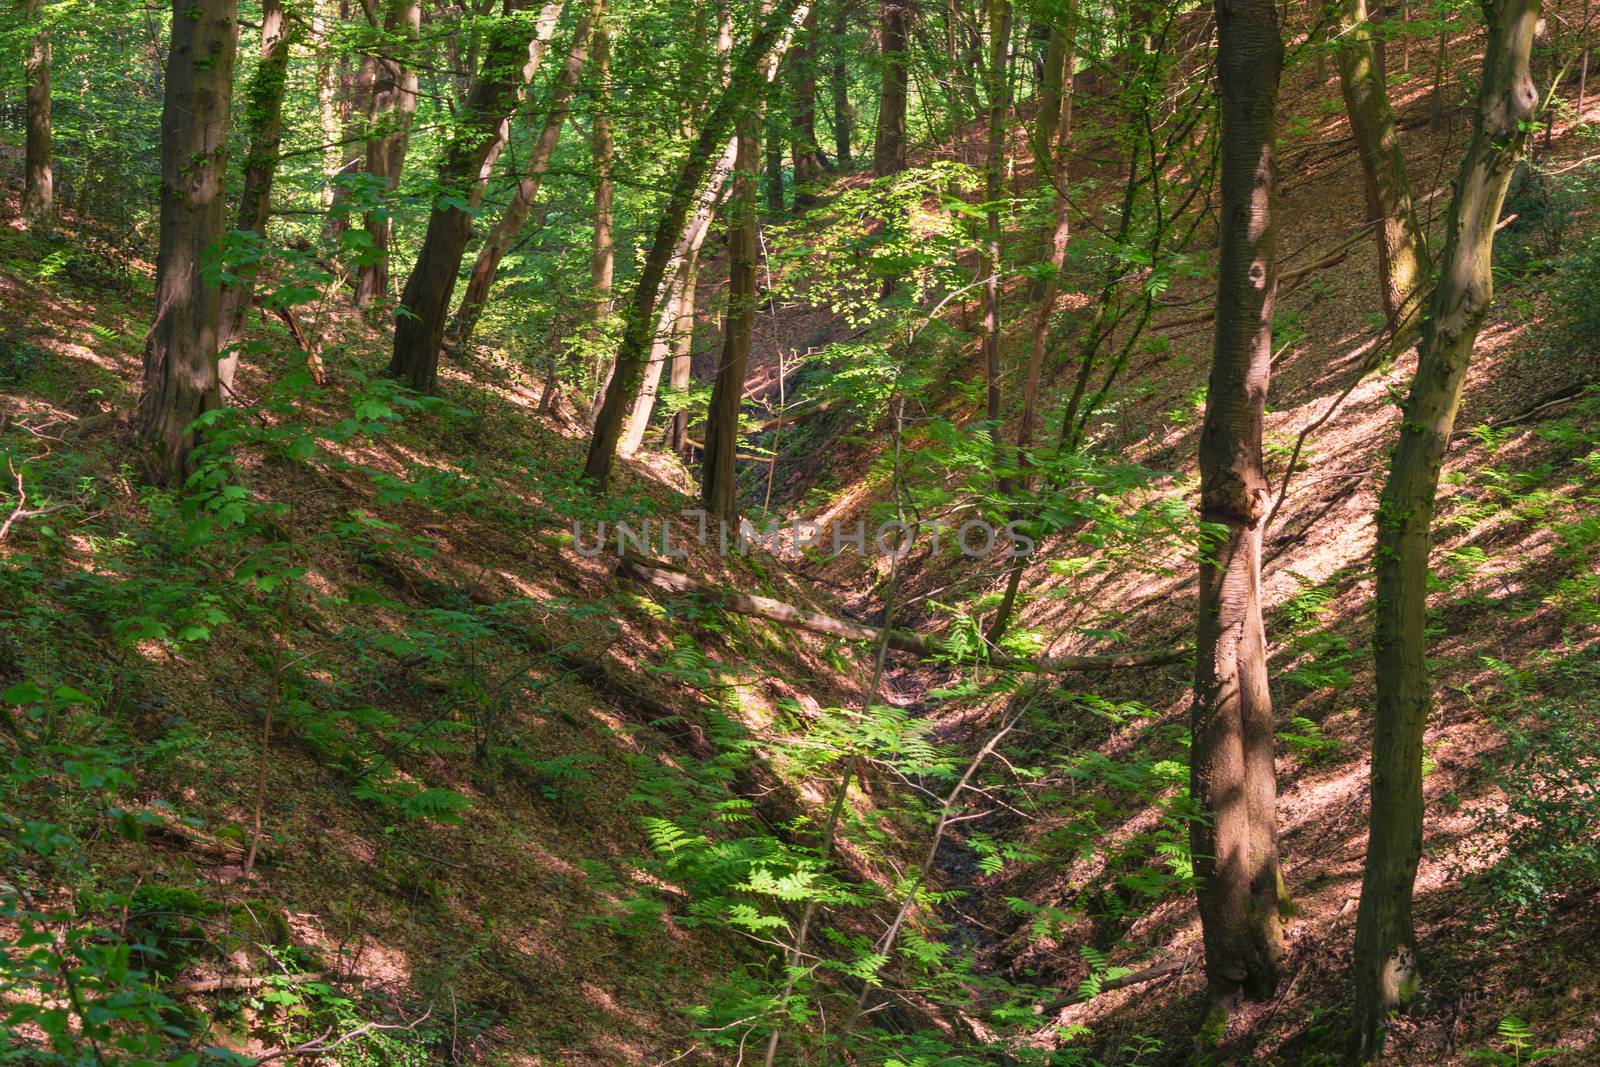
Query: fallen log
[1149,974]
[783,614]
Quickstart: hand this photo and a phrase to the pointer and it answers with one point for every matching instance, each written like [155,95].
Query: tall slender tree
[809,162]
[390,115]
[1387,973]
[38,174]
[994,187]
[894,31]
[839,83]
[1232,780]
[180,355]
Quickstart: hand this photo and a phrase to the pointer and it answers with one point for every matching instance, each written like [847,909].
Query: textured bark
[1403,267]
[481,279]
[38,181]
[389,119]
[843,119]
[482,127]
[1235,844]
[264,117]
[719,488]
[809,163]
[180,355]
[894,29]
[1386,954]
[757,62]
[994,188]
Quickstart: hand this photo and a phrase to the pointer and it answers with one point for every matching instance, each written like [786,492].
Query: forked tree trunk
[1403,267]
[38,181]
[757,62]
[481,279]
[264,117]
[1235,841]
[894,28]
[1386,954]
[180,354]
[481,129]
[843,125]
[390,115]
[1059,156]
[994,187]
[719,486]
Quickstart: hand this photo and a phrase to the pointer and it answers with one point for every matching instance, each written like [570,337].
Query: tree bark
[1386,953]
[719,488]
[1403,266]
[843,124]
[393,108]
[38,182]
[889,147]
[509,60]
[180,355]
[774,145]
[757,62]
[994,188]
[1058,60]
[809,164]
[323,15]
[1235,843]
[683,351]
[264,117]
[498,242]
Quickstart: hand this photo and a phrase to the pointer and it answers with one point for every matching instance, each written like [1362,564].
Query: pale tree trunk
[603,257]
[264,117]
[38,182]
[482,128]
[1386,954]
[843,125]
[481,279]
[1403,267]
[1235,841]
[994,188]
[757,63]
[324,15]
[683,352]
[1059,157]
[719,486]
[180,354]
[390,115]
[894,28]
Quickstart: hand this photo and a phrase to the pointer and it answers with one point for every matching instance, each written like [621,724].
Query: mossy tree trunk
[1386,954]
[38,174]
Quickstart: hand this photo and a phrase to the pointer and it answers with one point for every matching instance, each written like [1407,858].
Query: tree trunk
[180,355]
[1386,954]
[393,108]
[757,62]
[38,182]
[1403,267]
[774,139]
[1059,157]
[719,487]
[603,260]
[843,126]
[809,164]
[481,131]
[1058,57]
[323,17]
[264,117]
[498,242]
[683,352]
[889,148]
[1235,843]
[994,188]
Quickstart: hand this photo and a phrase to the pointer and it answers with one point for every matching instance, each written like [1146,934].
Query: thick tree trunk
[38,175]
[482,128]
[1403,267]
[894,28]
[719,487]
[843,124]
[809,164]
[994,188]
[756,63]
[1386,955]
[481,279]
[393,108]
[1235,842]
[264,117]
[180,355]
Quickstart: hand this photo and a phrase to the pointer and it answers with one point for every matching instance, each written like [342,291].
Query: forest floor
[444,612]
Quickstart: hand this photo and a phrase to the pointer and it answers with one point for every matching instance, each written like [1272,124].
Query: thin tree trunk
[481,279]
[1057,60]
[323,17]
[719,486]
[482,128]
[1403,267]
[756,63]
[1386,953]
[994,188]
[843,125]
[264,116]
[774,153]
[603,260]
[1059,157]
[1235,841]
[889,147]
[393,108]
[38,182]
[180,355]
[683,351]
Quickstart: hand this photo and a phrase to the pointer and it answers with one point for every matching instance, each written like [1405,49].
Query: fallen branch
[783,614]
[240,983]
[1149,974]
